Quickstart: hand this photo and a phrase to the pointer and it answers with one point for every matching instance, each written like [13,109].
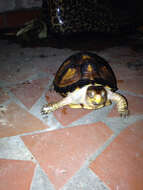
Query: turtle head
[96,95]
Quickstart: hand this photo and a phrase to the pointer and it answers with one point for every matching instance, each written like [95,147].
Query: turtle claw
[46,109]
[124,114]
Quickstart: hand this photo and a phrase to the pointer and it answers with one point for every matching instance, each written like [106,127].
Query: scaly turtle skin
[87,81]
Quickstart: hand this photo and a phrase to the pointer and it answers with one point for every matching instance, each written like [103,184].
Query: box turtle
[86,80]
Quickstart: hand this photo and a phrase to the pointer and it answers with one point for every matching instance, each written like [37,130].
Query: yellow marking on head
[69,74]
[97,99]
[85,57]
[89,68]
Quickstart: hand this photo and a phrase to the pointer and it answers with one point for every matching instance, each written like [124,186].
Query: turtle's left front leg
[121,102]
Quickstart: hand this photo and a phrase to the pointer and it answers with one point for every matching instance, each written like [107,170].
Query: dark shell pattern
[82,69]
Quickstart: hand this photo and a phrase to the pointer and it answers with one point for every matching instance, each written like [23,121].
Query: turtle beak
[97,99]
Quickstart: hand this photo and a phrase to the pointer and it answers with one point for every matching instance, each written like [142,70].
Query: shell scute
[81,69]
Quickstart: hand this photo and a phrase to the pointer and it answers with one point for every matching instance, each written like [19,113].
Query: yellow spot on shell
[69,74]
[85,57]
[96,84]
[89,68]
[108,87]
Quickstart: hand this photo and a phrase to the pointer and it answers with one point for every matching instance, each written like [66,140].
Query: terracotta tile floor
[120,166]
[135,105]
[3,96]
[16,174]
[29,92]
[18,121]
[68,155]
[75,156]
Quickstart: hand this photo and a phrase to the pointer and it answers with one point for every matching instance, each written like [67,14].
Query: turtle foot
[124,114]
[46,109]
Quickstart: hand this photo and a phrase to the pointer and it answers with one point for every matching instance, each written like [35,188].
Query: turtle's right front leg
[54,106]
[49,108]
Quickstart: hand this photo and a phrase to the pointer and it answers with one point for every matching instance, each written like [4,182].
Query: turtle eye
[103,93]
[91,93]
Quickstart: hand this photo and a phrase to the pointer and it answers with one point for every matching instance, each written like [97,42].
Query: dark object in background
[76,16]
[62,22]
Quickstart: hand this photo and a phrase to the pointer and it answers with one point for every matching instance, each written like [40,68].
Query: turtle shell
[82,69]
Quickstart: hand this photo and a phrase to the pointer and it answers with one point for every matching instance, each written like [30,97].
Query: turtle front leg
[121,102]
[49,108]
[54,106]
